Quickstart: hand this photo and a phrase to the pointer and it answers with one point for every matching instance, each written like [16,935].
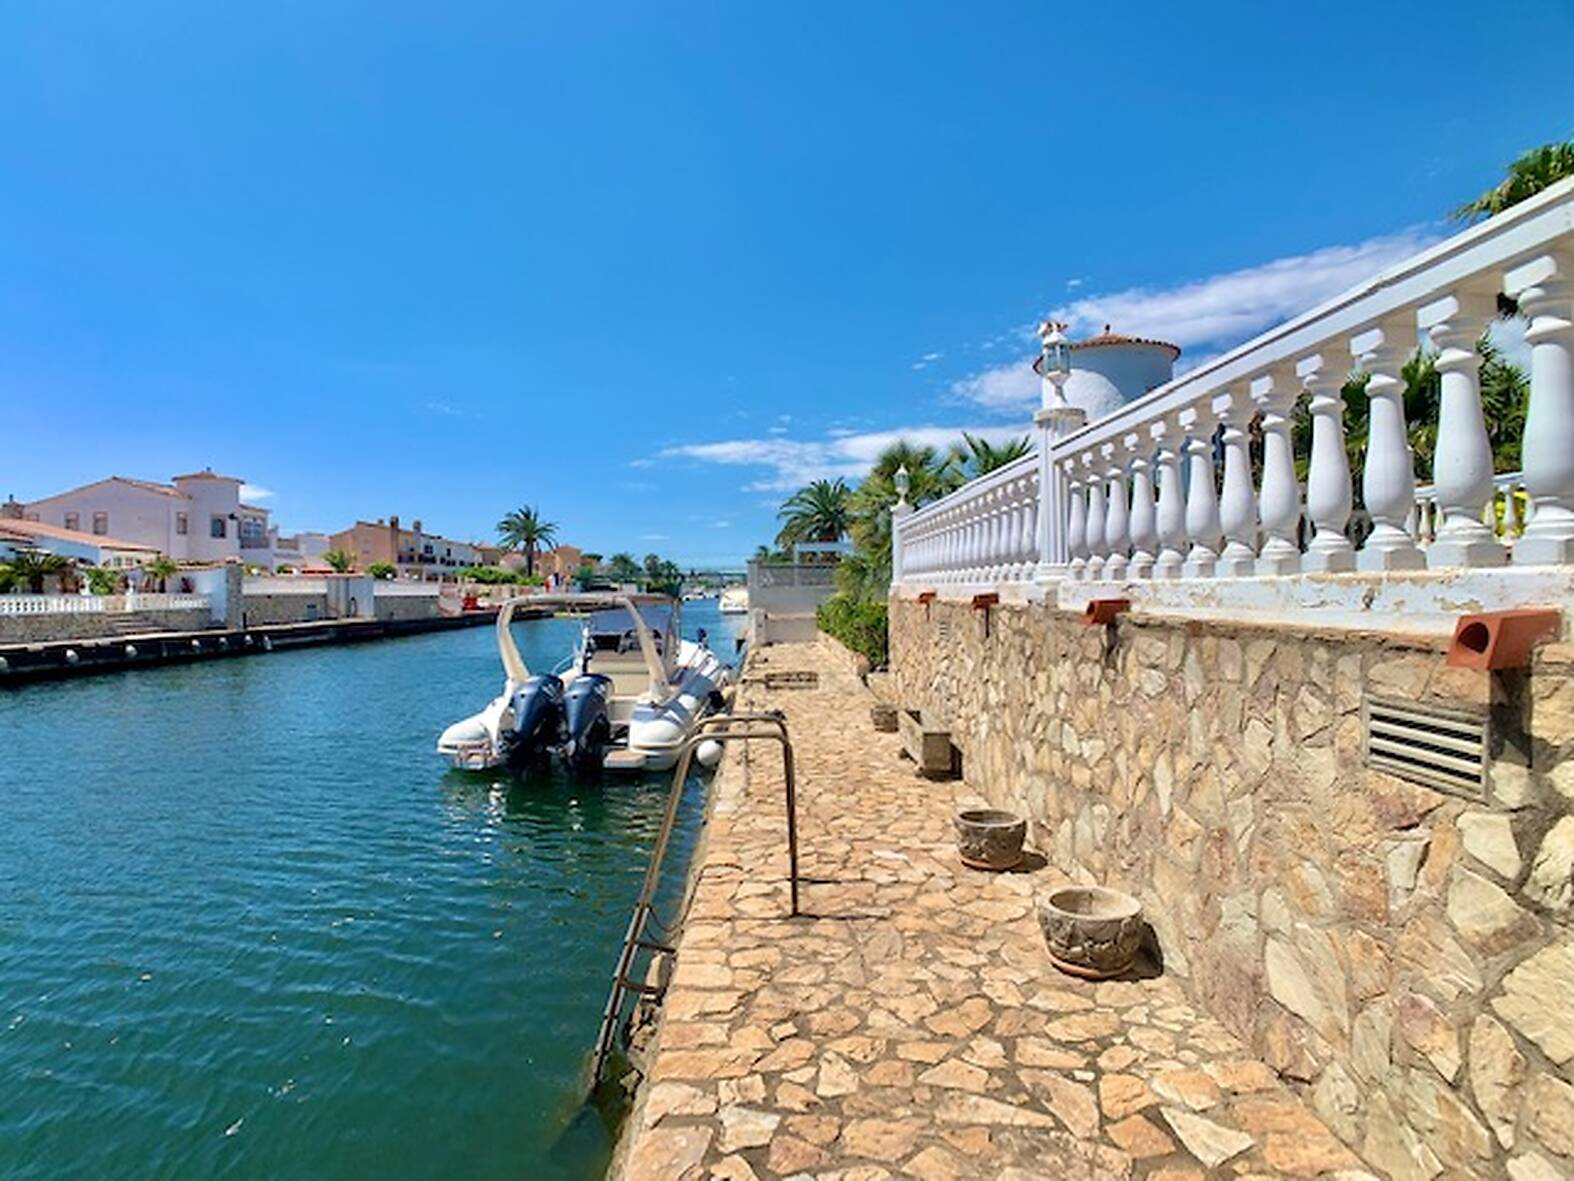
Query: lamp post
[1055,420]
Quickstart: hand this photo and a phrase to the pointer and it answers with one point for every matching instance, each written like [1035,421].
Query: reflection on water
[249,927]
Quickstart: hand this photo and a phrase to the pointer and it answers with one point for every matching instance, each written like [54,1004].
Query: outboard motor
[538,709]
[587,727]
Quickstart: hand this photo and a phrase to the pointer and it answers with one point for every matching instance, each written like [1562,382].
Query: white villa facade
[197,517]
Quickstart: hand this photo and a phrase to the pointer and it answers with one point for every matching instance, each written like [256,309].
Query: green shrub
[382,570]
[102,581]
[858,623]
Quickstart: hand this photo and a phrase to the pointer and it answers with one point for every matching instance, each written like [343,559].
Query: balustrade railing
[985,532]
[99,604]
[1164,487]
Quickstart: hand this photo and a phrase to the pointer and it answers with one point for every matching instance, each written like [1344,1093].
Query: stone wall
[42,629]
[399,608]
[284,608]
[1403,955]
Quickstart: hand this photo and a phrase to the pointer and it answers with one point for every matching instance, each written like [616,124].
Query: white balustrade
[1145,479]
[50,604]
[983,534]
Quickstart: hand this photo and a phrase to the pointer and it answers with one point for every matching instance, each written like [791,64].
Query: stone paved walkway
[912,1025]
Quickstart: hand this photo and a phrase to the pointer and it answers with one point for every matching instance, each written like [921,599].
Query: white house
[18,534]
[197,517]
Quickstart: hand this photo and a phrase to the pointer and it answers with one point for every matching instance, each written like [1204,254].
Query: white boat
[626,699]
[734,601]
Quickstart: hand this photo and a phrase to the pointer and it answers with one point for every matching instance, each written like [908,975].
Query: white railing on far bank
[1144,496]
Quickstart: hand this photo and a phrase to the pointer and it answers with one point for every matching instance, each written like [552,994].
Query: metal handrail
[772,726]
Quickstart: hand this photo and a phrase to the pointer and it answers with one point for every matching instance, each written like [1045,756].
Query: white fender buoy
[5,665]
[131,651]
[196,645]
[224,644]
[708,753]
[267,643]
[71,656]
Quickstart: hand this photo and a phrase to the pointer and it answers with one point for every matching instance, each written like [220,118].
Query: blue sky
[647,265]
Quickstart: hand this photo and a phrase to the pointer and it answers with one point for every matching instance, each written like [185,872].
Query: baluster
[1098,548]
[1510,512]
[1329,495]
[1029,550]
[1202,500]
[1546,297]
[1388,483]
[1238,506]
[1077,527]
[1117,513]
[1280,503]
[1170,520]
[1144,514]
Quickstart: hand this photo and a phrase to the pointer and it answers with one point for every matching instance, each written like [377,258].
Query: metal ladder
[747,727]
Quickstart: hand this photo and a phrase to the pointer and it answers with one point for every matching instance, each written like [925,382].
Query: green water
[251,928]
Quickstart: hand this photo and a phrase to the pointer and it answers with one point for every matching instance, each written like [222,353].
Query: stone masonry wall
[263,609]
[1403,955]
[42,629]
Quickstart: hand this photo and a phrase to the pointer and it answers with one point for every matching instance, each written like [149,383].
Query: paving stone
[1538,1002]
[1211,1143]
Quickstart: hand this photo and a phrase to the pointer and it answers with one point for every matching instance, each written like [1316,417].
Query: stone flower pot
[884,718]
[990,839]
[1092,931]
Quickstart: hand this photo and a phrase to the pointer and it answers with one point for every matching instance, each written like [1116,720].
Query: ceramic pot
[990,839]
[1092,931]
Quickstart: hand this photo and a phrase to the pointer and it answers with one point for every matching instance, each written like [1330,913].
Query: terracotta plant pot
[1092,931]
[884,718]
[990,839]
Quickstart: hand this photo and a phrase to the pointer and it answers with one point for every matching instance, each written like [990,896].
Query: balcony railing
[1163,489]
[99,604]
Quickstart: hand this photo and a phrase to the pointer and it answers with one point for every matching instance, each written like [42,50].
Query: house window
[182,524]
[100,524]
[217,527]
[73,521]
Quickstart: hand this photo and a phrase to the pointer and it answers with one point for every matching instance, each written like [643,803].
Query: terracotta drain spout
[1495,640]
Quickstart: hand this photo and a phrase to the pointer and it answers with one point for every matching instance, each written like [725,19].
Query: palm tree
[1535,170]
[339,561]
[623,568]
[523,529]
[866,572]
[820,511]
[978,457]
[34,565]
[162,569]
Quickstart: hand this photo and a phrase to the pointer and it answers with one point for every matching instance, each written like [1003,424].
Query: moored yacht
[626,699]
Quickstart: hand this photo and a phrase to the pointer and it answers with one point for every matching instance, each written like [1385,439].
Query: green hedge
[859,624]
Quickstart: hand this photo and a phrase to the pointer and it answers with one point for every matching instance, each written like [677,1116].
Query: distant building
[197,517]
[563,562]
[413,552]
[301,551]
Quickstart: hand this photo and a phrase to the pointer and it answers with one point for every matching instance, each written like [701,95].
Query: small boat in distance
[626,699]
[734,601]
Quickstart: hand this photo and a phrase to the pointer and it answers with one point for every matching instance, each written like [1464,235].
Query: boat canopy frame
[656,657]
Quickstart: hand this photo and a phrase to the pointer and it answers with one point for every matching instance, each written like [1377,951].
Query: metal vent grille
[943,630]
[1444,749]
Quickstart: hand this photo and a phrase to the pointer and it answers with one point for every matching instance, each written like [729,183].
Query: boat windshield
[613,630]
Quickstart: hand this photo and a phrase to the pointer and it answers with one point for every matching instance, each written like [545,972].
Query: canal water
[251,928]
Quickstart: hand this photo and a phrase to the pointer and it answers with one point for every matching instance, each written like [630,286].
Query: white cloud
[1209,315]
[250,492]
[1224,310]
[653,537]
[927,360]
[1002,389]
[1073,284]
[791,463]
